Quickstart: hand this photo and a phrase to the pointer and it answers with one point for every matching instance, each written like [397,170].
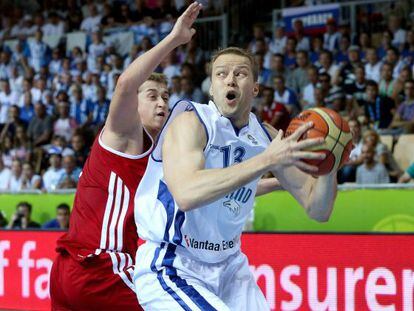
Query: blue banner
[313,17]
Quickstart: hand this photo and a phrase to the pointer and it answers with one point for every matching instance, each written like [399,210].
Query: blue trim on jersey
[236,129]
[163,284]
[182,284]
[166,122]
[266,132]
[179,220]
[167,200]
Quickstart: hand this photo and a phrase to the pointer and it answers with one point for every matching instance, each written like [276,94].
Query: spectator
[12,122]
[330,93]
[303,43]
[278,43]
[258,33]
[81,151]
[278,68]
[262,49]
[341,57]
[80,107]
[55,65]
[97,48]
[408,51]
[27,109]
[64,125]
[331,36]
[30,180]
[265,75]
[273,112]
[39,52]
[308,98]
[327,66]
[21,219]
[404,116]
[175,91]
[378,109]
[54,26]
[62,218]
[355,92]
[346,72]
[6,147]
[6,65]
[189,92]
[382,154]
[317,48]
[285,96]
[55,172]
[5,175]
[387,83]
[348,171]
[40,127]
[290,53]
[371,172]
[394,58]
[373,66]
[7,99]
[70,177]
[300,75]
[399,34]
[100,108]
[93,21]
[386,39]
[15,181]
[195,55]
[408,175]
[21,145]
[171,67]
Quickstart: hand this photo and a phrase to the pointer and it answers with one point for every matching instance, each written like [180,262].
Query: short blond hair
[158,77]
[237,51]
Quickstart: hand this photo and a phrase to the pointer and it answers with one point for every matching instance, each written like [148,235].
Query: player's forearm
[267,185]
[208,185]
[141,68]
[322,194]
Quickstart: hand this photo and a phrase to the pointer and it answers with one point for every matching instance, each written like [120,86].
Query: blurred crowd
[53,101]
[22,218]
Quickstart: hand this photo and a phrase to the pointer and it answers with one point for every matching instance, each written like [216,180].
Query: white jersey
[212,232]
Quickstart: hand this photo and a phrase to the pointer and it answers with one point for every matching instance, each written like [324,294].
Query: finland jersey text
[209,235]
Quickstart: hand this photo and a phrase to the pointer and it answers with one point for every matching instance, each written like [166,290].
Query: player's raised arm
[123,129]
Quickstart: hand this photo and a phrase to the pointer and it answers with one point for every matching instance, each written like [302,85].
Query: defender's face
[153,105]
[232,85]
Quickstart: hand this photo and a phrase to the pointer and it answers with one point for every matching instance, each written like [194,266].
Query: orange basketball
[338,138]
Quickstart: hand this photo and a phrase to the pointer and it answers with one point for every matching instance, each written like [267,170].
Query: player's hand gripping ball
[338,138]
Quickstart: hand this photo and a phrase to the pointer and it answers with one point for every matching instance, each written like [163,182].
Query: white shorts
[167,279]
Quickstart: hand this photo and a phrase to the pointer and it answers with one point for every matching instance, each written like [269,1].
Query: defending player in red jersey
[93,270]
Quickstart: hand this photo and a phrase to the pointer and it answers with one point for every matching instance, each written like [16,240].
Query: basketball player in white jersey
[199,189]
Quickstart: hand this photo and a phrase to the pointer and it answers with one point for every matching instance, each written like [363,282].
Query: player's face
[153,105]
[233,86]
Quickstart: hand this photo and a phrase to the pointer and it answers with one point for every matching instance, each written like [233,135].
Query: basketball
[338,138]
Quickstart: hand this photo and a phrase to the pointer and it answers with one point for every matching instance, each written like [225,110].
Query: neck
[240,122]
[370,164]
[153,133]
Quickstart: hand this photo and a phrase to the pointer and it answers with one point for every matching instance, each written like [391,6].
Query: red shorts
[89,286]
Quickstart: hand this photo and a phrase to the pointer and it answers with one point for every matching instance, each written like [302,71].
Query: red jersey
[279,110]
[102,219]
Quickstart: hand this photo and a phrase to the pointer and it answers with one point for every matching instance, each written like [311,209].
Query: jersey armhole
[125,155]
[190,107]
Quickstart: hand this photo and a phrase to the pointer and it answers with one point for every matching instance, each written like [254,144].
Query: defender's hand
[183,31]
